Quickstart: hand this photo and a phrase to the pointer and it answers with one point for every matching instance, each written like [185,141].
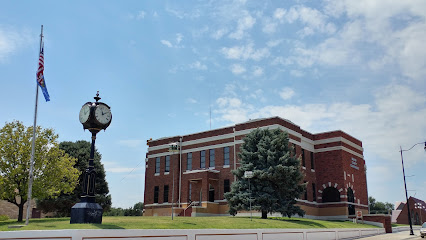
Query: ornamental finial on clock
[97,98]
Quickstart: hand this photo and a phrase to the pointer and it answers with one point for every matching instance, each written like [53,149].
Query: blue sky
[358,66]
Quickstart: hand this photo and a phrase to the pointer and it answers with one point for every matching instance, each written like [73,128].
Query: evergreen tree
[63,204]
[277,178]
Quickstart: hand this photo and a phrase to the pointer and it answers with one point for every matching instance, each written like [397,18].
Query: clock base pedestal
[86,211]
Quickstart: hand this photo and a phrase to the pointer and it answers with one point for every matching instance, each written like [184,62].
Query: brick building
[417,210]
[200,172]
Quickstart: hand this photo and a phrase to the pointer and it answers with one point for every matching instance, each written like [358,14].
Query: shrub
[4,218]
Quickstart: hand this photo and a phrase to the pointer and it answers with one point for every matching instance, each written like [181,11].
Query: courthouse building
[195,176]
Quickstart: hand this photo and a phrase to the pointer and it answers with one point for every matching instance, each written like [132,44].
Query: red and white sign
[358,214]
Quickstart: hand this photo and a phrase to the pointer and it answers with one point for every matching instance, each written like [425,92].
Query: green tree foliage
[53,168]
[136,210]
[277,178]
[379,207]
[63,204]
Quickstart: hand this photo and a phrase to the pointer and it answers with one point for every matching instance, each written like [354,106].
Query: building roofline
[250,121]
[336,131]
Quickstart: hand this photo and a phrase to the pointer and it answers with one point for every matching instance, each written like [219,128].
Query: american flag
[40,74]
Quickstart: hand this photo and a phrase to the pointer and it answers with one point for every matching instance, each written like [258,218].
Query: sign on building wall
[354,164]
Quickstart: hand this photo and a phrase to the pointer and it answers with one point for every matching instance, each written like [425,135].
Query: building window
[305,197]
[166,193]
[330,194]
[303,158]
[203,159]
[226,155]
[189,192]
[157,165]
[294,149]
[167,164]
[314,193]
[156,194]
[211,158]
[226,186]
[312,161]
[189,161]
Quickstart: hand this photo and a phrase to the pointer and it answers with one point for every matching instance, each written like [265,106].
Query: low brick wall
[384,219]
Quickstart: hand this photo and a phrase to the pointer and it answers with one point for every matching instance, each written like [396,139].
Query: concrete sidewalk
[395,236]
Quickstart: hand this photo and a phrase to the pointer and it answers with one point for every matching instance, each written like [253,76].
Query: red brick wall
[330,166]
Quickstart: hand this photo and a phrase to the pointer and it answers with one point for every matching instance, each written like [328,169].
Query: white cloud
[286,93]
[257,71]
[273,43]
[218,34]
[140,15]
[380,33]
[237,69]
[191,100]
[297,73]
[198,65]
[12,40]
[179,38]
[257,95]
[269,26]
[245,52]
[195,13]
[167,43]
[279,13]
[231,110]
[394,118]
[244,23]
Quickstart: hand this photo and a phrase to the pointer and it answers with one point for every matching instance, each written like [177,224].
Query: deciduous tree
[53,168]
[379,207]
[277,178]
[63,204]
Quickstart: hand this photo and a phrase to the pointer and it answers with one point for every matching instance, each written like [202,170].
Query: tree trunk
[264,214]
[21,211]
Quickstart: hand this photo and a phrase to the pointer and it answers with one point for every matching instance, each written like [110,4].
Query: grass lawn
[180,223]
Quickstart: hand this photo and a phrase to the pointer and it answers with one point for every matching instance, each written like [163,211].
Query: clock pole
[94,116]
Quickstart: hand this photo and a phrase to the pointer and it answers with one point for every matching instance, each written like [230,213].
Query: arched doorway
[330,194]
[351,199]
[211,193]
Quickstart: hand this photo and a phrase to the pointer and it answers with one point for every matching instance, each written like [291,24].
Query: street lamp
[173,148]
[248,175]
[405,184]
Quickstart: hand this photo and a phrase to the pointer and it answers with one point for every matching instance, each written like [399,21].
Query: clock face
[103,114]
[84,113]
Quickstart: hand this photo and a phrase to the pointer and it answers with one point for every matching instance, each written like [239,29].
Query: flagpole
[31,177]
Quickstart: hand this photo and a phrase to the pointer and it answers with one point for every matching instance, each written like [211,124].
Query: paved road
[396,236]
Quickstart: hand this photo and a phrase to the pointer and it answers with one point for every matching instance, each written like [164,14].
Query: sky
[357,66]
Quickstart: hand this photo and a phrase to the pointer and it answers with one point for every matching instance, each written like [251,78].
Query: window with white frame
[157,165]
[203,159]
[167,169]
[211,158]
[226,156]
[189,161]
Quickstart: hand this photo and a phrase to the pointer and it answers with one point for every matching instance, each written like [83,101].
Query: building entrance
[351,199]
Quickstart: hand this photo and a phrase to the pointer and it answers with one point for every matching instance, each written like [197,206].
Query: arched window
[351,199]
[330,194]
